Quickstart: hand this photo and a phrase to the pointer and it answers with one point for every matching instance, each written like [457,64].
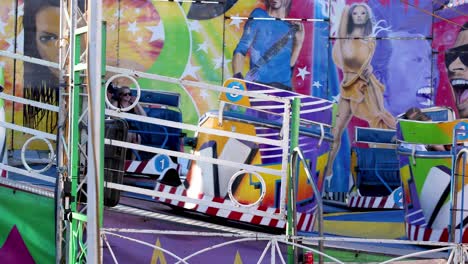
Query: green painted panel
[34,217]
[431,132]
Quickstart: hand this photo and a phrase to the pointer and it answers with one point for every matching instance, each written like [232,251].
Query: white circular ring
[130,107]
[51,154]
[233,178]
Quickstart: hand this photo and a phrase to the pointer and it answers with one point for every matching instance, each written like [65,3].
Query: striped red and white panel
[135,166]
[421,233]
[393,201]
[382,202]
[305,220]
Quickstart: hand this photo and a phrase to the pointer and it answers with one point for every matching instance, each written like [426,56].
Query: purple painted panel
[127,251]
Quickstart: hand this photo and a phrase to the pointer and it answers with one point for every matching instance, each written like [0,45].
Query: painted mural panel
[41,22]
[257,54]
[409,71]
[190,41]
[135,34]
[380,50]
[451,44]
[287,8]
[13,70]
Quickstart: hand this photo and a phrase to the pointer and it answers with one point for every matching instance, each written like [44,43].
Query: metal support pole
[95,128]
[291,194]
[74,140]
[63,173]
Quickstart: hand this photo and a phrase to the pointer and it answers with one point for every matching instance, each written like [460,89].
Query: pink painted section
[14,251]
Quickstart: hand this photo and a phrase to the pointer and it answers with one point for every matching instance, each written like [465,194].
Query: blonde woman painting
[361,94]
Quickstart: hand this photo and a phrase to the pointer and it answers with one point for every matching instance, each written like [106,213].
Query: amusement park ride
[258,158]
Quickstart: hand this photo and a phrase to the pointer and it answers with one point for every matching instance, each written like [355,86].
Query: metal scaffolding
[80,144]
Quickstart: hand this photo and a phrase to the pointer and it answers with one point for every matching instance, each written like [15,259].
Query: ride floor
[137,213]
[384,224]
[338,219]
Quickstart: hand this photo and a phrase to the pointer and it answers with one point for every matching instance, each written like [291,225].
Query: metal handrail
[297,153]
[459,133]
[461,154]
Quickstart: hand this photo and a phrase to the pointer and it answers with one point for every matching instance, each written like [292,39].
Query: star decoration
[194,26]
[119,13]
[317,84]
[157,32]
[303,72]
[218,62]
[336,98]
[2,27]
[203,46]
[191,70]
[132,27]
[235,21]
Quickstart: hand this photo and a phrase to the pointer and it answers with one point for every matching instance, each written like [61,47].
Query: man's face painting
[456,61]
[409,73]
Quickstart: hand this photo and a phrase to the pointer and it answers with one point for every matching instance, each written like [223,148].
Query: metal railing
[297,157]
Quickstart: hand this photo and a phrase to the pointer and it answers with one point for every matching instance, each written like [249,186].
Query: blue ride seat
[156,135]
[443,114]
[377,171]
[377,168]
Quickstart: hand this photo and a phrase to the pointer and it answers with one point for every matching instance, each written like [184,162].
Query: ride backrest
[436,113]
[374,136]
[438,131]
[162,105]
[162,98]
[376,165]
[423,132]
[440,113]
